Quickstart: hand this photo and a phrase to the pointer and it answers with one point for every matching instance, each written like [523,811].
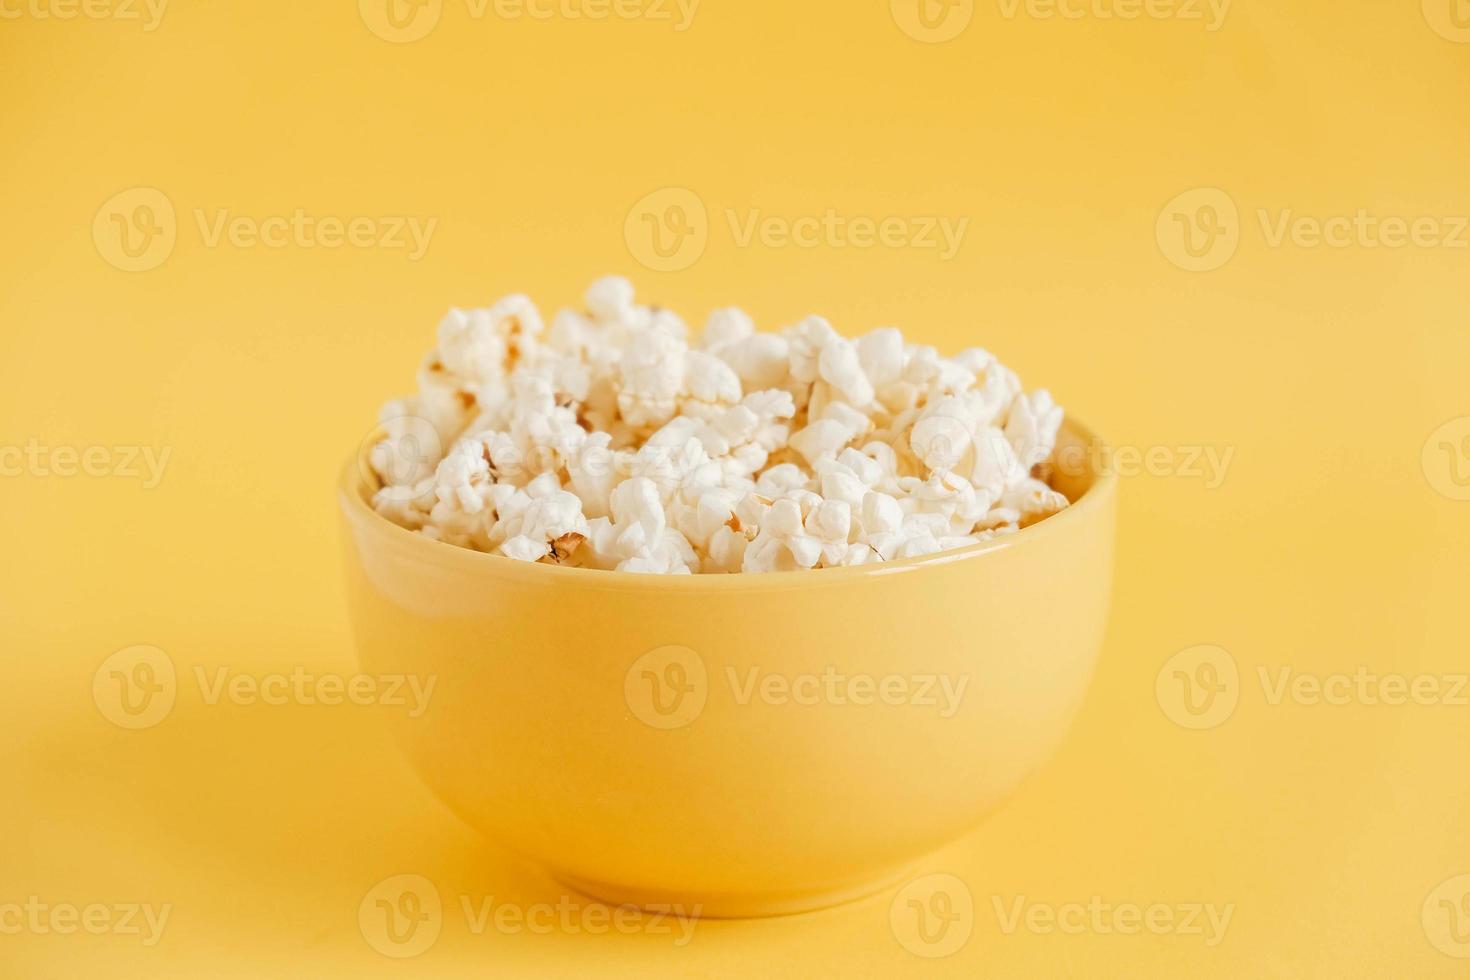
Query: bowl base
[738,905]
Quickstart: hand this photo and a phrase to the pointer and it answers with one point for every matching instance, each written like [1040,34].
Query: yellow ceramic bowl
[747,744]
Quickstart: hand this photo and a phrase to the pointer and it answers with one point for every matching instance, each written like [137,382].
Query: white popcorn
[1033,500]
[593,473]
[921,544]
[860,554]
[942,436]
[782,543]
[839,481]
[881,514]
[638,516]
[781,479]
[478,346]
[838,365]
[820,440]
[406,506]
[614,441]
[1032,427]
[610,298]
[652,372]
[550,525]
[830,522]
[996,465]
[709,382]
[400,462]
[726,328]
[726,551]
[808,339]
[880,353]
[762,360]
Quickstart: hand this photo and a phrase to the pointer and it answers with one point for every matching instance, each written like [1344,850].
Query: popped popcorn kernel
[613,440]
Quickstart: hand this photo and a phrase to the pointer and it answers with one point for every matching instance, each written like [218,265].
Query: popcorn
[1032,427]
[709,385]
[610,298]
[652,374]
[761,361]
[726,328]
[821,439]
[612,440]
[838,365]
[545,522]
[880,514]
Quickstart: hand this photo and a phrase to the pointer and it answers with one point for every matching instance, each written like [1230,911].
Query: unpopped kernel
[609,439]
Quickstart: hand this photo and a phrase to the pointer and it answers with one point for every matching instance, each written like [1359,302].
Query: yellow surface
[1335,833]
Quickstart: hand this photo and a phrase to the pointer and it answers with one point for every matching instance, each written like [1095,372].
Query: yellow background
[1326,548]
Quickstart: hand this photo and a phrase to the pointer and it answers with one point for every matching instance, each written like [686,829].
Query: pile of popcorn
[610,440]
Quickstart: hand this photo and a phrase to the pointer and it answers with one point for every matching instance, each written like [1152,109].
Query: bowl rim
[353,500]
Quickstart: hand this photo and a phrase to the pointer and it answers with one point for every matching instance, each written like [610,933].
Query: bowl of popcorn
[739,622]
